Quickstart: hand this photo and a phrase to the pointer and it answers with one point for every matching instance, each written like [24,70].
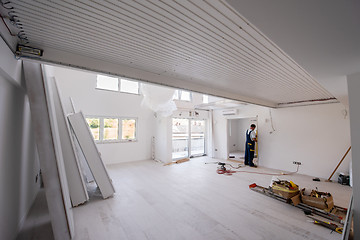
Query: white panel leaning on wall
[76,184]
[87,144]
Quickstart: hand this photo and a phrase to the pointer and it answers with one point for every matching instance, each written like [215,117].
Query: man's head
[252,127]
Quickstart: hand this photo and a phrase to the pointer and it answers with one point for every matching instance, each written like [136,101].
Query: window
[128,129]
[182,95]
[205,98]
[129,86]
[113,84]
[112,129]
[176,95]
[107,83]
[94,124]
[185,96]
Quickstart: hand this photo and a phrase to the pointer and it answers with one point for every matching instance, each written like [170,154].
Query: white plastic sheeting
[158,99]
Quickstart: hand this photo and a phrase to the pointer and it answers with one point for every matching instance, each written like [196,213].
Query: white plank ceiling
[204,42]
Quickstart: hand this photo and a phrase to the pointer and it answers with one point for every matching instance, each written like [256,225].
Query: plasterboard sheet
[50,155]
[88,177]
[88,147]
[77,187]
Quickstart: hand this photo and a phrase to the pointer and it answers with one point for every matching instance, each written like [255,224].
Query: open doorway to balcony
[188,138]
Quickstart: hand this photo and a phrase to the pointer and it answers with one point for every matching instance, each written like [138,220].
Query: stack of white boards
[87,144]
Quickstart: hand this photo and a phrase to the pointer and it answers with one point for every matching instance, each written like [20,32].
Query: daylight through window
[107,83]
[182,95]
[94,124]
[205,98]
[113,129]
[128,129]
[129,86]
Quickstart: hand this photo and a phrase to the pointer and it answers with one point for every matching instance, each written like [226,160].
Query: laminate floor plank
[191,201]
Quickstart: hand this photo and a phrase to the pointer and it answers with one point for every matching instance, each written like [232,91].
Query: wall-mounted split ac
[228,112]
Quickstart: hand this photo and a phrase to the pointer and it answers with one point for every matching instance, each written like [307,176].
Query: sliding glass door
[197,136]
[188,138]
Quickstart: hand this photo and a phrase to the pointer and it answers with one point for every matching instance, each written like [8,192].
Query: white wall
[19,163]
[80,85]
[163,143]
[317,136]
[234,135]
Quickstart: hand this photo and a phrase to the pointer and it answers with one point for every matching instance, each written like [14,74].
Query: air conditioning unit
[229,112]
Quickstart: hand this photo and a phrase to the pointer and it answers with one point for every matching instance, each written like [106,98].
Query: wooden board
[88,147]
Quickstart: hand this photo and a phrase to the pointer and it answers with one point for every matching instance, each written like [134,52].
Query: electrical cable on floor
[239,166]
[271,174]
[223,170]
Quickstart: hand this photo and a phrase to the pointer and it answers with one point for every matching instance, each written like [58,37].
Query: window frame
[119,139]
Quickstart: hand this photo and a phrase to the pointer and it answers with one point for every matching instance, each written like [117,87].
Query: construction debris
[336,214]
[177,161]
[330,225]
[344,179]
[321,200]
[342,159]
[285,188]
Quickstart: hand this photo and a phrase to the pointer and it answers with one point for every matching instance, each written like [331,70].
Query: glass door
[180,138]
[188,138]
[197,136]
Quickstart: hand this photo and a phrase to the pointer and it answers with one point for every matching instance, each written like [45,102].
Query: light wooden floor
[191,201]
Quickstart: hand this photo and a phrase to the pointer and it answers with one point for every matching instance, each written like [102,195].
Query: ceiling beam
[57,57]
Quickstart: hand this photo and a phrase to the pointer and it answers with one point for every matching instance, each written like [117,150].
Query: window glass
[176,95]
[205,98]
[94,124]
[107,83]
[128,129]
[129,86]
[185,96]
[111,128]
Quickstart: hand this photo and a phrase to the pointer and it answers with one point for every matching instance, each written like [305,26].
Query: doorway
[237,138]
[188,137]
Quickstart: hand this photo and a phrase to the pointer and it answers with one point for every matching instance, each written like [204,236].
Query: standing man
[250,145]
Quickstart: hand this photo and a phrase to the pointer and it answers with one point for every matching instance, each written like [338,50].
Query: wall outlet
[297,163]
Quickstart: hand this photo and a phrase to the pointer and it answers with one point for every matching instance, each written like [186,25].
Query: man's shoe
[254,166]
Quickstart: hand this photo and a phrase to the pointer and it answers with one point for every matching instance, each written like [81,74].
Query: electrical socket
[297,163]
